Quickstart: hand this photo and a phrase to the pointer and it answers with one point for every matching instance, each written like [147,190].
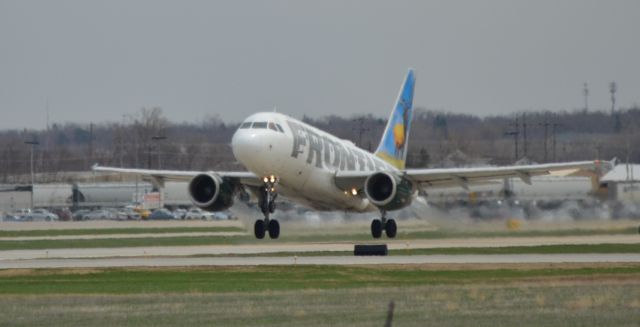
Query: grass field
[273,278]
[604,294]
[108,231]
[323,296]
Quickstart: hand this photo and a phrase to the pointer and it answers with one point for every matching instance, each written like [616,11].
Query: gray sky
[99,60]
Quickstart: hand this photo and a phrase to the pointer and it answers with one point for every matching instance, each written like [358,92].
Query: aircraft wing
[465,176]
[245,177]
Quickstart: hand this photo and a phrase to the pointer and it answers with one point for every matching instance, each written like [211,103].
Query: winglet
[394,143]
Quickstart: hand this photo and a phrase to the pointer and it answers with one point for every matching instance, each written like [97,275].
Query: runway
[268,246]
[270,252]
[322,260]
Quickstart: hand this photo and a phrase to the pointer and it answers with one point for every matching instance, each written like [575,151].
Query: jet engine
[388,192]
[211,192]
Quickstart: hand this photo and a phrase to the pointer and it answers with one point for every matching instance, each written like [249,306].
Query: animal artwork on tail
[393,146]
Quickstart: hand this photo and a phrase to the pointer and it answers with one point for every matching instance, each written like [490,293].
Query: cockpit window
[272,126]
[260,124]
[245,125]
[280,128]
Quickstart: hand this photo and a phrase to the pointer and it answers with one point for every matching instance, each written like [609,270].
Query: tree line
[147,139]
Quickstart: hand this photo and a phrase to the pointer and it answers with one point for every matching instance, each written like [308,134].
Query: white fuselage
[305,160]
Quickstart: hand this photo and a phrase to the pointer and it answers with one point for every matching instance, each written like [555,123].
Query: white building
[623,183]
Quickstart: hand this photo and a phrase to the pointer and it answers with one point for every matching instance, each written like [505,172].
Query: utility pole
[613,87]
[515,134]
[47,140]
[553,132]
[33,143]
[361,129]
[156,138]
[615,116]
[524,132]
[122,128]
[149,156]
[91,143]
[546,134]
[585,93]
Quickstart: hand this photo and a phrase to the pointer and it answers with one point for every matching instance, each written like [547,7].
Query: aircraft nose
[246,145]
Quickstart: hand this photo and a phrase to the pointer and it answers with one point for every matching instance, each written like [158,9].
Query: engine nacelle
[387,191]
[212,193]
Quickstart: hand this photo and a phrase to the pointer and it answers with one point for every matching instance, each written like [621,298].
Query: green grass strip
[105,231]
[271,278]
[123,242]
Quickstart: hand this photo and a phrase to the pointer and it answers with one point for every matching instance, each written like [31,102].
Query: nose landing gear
[388,225]
[267,203]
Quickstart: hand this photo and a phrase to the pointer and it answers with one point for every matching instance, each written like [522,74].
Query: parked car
[144,213]
[63,213]
[161,214]
[78,214]
[180,213]
[222,215]
[129,213]
[197,213]
[21,213]
[11,217]
[41,215]
[100,214]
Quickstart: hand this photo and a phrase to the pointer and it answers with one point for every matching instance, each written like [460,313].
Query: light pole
[160,185]
[613,87]
[158,138]
[33,144]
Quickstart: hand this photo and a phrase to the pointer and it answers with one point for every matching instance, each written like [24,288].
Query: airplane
[285,156]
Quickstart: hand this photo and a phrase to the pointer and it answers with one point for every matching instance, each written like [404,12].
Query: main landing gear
[388,225]
[267,202]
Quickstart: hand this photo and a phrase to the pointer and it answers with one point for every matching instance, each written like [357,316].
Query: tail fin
[393,146]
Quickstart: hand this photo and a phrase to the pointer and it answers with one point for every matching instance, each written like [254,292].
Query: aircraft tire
[258,229]
[376,228]
[274,229]
[391,228]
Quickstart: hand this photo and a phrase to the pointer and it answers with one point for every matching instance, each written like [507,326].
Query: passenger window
[272,126]
[260,124]
[245,125]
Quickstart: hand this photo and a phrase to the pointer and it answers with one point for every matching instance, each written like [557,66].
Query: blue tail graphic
[393,146]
